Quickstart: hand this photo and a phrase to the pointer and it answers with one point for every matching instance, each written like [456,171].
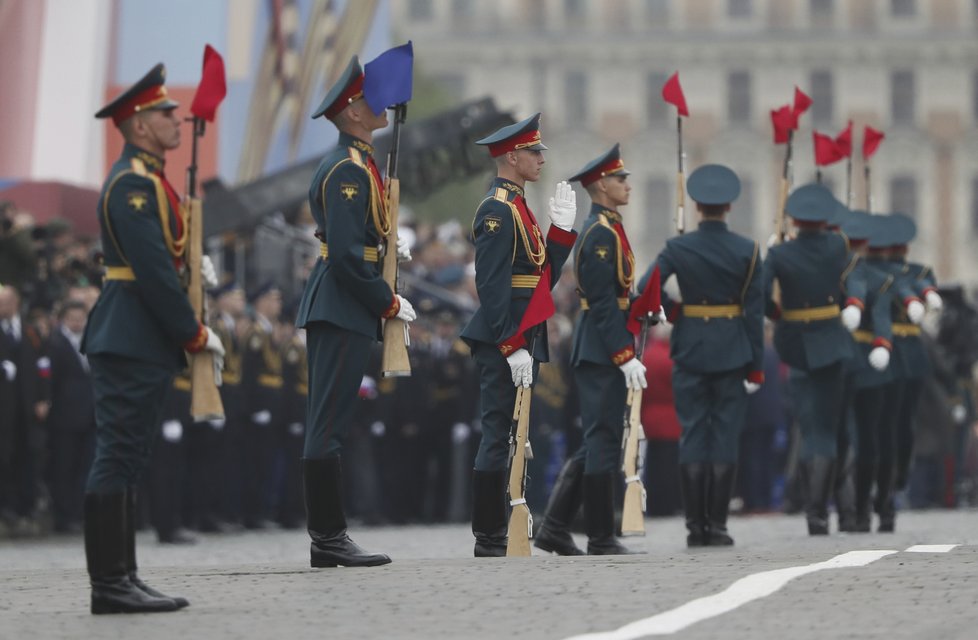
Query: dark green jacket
[876,327]
[148,318]
[910,359]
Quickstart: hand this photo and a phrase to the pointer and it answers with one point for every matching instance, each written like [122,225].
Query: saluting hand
[563,206]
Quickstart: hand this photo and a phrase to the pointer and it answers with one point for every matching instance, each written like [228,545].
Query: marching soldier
[511,257]
[717,349]
[344,301]
[135,337]
[604,363]
[810,335]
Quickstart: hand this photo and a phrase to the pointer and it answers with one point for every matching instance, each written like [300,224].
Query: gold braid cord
[625,277]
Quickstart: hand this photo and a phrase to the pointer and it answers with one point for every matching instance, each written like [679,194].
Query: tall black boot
[565,499]
[885,507]
[131,552]
[865,476]
[106,550]
[820,474]
[599,514]
[692,481]
[719,491]
[489,513]
[326,521]
[845,495]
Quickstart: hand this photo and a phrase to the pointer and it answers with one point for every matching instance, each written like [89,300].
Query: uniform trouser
[871,432]
[337,363]
[711,408]
[818,396]
[497,396]
[602,393]
[886,468]
[71,459]
[906,418]
[129,398]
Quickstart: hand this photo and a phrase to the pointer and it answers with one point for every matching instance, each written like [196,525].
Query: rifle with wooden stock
[520,518]
[395,361]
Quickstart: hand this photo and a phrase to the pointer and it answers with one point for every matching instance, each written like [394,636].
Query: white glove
[563,206]
[634,372]
[772,240]
[406,311]
[262,417]
[208,273]
[658,317]
[172,431]
[851,317]
[521,366]
[751,387]
[10,369]
[214,344]
[915,311]
[403,249]
[959,413]
[879,358]
[934,300]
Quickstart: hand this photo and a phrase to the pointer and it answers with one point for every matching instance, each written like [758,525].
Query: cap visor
[538,147]
[165,105]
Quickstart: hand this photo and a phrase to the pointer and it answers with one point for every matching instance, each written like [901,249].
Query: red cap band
[348,97]
[139,102]
[522,141]
[601,171]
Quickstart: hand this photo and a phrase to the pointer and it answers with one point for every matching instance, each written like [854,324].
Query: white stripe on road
[748,589]
[930,548]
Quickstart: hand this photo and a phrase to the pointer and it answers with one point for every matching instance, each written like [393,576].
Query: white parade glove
[851,317]
[262,417]
[9,369]
[208,273]
[772,240]
[959,413]
[658,317]
[751,387]
[634,372]
[879,358]
[406,311]
[521,366]
[214,344]
[915,311]
[172,430]
[403,249]
[563,206]
[934,301]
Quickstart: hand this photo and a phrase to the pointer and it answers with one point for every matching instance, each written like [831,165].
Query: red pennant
[541,305]
[212,87]
[672,93]
[871,141]
[802,102]
[844,141]
[826,150]
[783,122]
[648,302]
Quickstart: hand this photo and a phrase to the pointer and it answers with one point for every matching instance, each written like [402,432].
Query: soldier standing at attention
[717,349]
[341,308]
[136,337]
[511,257]
[604,362]
[811,335]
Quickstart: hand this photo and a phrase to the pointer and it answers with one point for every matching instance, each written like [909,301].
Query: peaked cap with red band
[522,135]
[609,164]
[347,90]
[149,94]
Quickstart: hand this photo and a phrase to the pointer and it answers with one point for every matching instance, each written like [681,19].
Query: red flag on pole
[783,122]
[541,305]
[648,302]
[826,150]
[802,102]
[844,141]
[672,93]
[871,141]
[212,87]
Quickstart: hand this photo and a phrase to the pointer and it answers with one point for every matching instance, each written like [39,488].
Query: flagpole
[680,181]
[849,181]
[818,175]
[869,190]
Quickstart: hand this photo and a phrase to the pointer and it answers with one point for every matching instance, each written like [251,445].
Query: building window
[739,8]
[822,96]
[742,209]
[660,212]
[575,96]
[657,13]
[738,96]
[658,109]
[903,195]
[974,205]
[902,97]
[903,8]
[420,9]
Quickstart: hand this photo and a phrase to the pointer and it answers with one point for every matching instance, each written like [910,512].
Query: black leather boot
[554,535]
[692,480]
[326,521]
[719,491]
[865,476]
[599,514]
[820,475]
[490,515]
[885,507]
[106,550]
[845,495]
[131,552]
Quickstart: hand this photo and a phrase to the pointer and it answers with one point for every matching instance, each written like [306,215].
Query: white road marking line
[930,548]
[747,589]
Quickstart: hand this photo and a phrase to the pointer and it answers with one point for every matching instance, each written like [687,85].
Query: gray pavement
[258,585]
